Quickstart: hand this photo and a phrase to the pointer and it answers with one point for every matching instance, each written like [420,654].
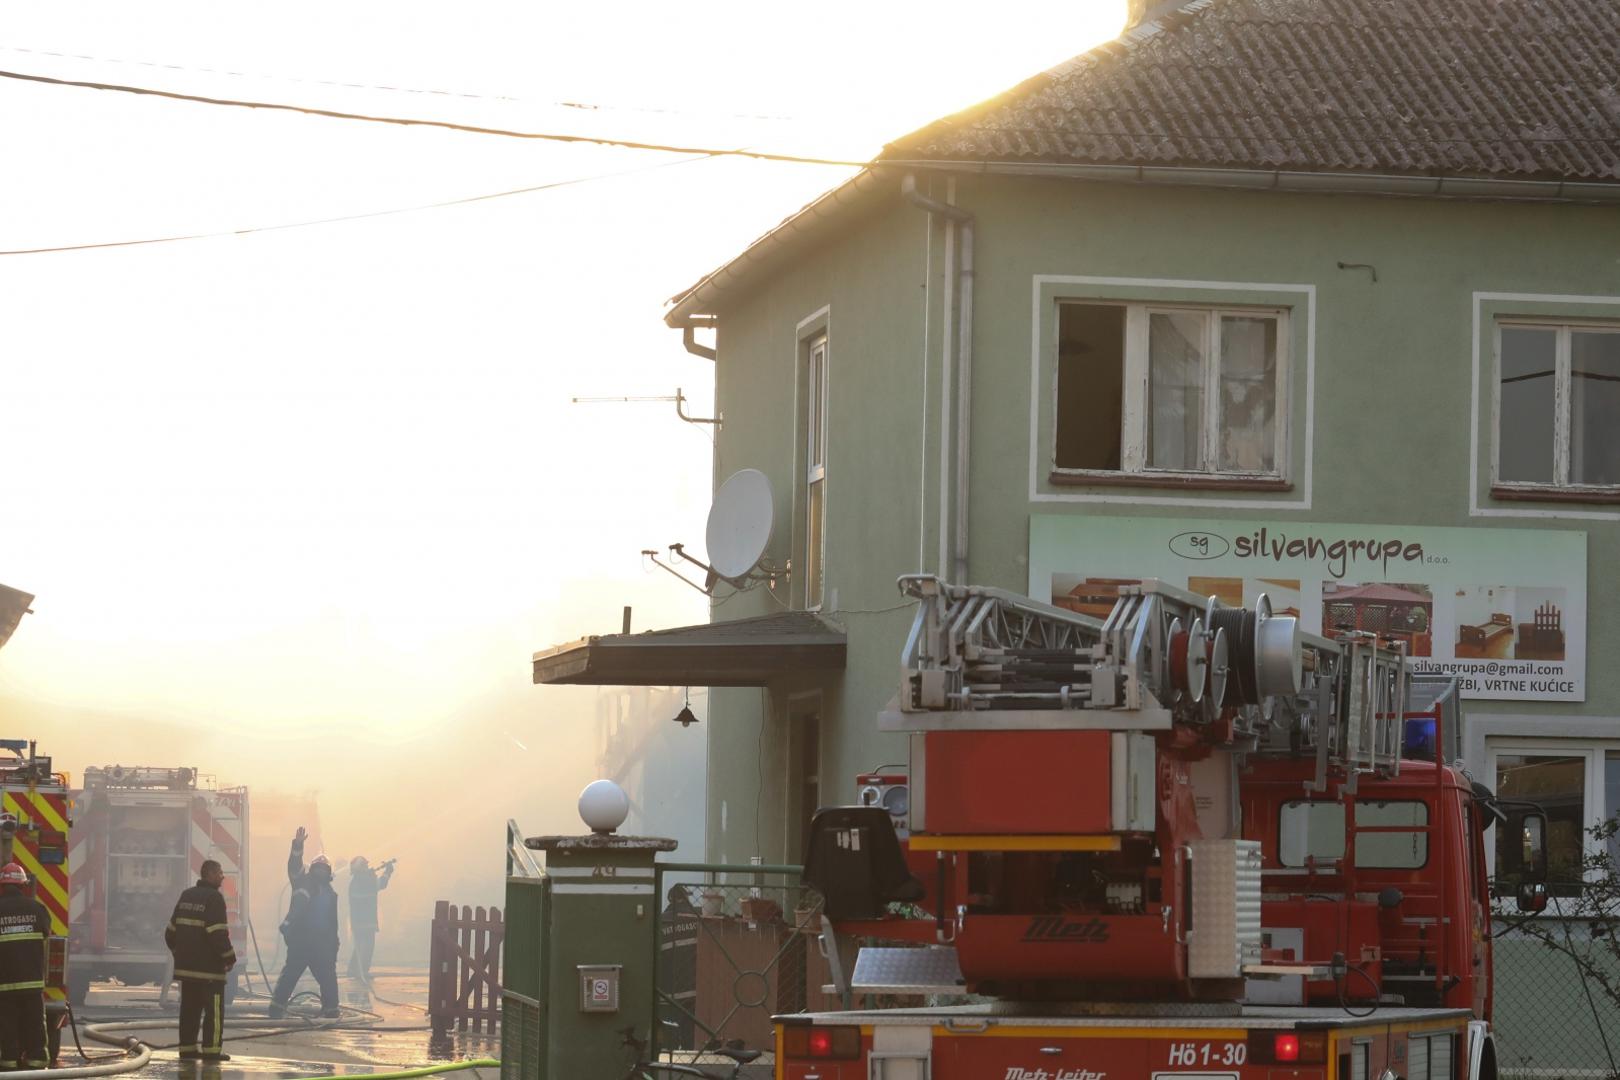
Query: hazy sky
[305,500]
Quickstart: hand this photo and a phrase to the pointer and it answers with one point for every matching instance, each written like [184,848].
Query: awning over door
[743,652]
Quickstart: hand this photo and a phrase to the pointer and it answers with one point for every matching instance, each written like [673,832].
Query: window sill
[1178,481]
[1514,493]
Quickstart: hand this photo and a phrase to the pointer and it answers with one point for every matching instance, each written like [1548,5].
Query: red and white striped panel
[216,833]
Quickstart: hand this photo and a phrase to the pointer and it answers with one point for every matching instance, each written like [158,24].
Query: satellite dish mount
[737,535]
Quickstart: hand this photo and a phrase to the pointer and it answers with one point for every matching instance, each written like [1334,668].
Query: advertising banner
[1502,609]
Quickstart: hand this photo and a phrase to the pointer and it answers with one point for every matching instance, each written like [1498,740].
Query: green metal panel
[525,993]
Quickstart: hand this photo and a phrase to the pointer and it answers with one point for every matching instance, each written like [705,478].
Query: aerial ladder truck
[1188,841]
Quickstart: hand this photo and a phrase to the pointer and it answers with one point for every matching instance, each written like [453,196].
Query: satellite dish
[740,523]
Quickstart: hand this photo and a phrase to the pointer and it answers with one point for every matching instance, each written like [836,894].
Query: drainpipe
[958,289]
[689,334]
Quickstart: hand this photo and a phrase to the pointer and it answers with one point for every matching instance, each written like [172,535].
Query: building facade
[1312,298]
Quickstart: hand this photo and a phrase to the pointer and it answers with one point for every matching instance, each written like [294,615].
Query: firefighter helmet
[8,822]
[12,874]
[320,860]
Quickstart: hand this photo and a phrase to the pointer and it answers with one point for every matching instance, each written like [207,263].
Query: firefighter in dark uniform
[24,926]
[311,930]
[200,940]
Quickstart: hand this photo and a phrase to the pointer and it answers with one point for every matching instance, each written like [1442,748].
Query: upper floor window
[1557,396]
[815,476]
[1171,389]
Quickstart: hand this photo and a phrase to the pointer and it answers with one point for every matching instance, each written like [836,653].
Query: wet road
[396,1037]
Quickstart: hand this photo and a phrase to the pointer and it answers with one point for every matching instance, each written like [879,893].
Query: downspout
[689,327]
[963,297]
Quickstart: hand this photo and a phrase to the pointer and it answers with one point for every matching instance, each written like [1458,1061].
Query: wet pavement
[395,1037]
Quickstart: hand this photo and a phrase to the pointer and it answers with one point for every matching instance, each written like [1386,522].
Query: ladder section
[980,658]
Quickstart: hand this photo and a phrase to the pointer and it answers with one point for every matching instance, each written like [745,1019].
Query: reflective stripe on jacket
[198,936]
[24,926]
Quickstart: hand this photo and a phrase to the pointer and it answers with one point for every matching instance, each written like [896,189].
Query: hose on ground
[73,1025]
[142,1056]
[426,1070]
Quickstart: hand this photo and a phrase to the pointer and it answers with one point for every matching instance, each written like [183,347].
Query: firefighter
[201,943]
[677,965]
[24,926]
[311,931]
[364,885]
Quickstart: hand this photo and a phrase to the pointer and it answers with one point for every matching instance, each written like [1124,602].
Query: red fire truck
[140,835]
[1188,841]
[36,798]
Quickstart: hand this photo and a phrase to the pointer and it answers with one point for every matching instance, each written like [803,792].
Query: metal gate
[736,946]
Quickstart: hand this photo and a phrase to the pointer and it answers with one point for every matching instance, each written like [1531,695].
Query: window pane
[1176,391]
[1391,850]
[1248,393]
[1310,830]
[1091,385]
[813,544]
[1529,376]
[1558,785]
[816,398]
[1594,408]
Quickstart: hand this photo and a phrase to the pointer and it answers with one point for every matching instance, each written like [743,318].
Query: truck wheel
[78,985]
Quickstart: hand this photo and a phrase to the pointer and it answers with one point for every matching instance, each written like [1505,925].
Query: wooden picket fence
[464,983]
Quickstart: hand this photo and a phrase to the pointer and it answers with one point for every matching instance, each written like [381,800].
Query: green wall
[1391,436]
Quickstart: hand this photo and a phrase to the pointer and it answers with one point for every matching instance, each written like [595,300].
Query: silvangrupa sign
[1502,609]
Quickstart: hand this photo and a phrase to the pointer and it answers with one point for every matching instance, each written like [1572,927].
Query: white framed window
[1575,782]
[1557,391]
[815,474]
[1171,389]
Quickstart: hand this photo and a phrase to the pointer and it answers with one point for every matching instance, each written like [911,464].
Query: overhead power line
[348,217]
[344,85]
[448,125]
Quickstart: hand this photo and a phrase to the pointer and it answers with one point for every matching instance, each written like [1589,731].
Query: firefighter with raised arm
[24,926]
[200,940]
[311,930]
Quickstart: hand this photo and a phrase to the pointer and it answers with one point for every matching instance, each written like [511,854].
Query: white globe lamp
[603,806]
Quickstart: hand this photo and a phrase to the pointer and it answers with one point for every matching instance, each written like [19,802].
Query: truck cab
[1386,885]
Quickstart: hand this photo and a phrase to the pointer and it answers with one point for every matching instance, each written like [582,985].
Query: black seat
[741,1057]
[856,863]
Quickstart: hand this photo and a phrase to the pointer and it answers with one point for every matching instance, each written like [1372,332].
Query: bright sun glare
[331,474]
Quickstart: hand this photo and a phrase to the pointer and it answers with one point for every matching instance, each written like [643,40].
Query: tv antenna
[739,530]
[677,397]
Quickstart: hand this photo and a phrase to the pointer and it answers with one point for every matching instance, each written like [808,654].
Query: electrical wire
[447,125]
[420,91]
[1338,982]
[350,217]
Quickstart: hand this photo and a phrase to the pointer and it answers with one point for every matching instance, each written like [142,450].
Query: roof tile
[1508,89]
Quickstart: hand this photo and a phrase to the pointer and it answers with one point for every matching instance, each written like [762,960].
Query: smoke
[437,799]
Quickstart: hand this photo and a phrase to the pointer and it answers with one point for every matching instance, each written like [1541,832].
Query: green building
[1316,298]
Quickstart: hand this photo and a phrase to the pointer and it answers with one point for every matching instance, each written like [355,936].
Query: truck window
[1315,830]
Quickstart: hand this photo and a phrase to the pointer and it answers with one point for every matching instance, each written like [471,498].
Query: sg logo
[1199,545]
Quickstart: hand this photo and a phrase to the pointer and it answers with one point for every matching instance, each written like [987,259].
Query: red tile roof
[1389,594]
[1505,89]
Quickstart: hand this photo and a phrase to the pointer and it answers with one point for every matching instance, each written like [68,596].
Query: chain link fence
[736,946]
[1554,1016]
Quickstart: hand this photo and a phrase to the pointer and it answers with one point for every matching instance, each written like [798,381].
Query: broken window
[1175,389]
[1558,388]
